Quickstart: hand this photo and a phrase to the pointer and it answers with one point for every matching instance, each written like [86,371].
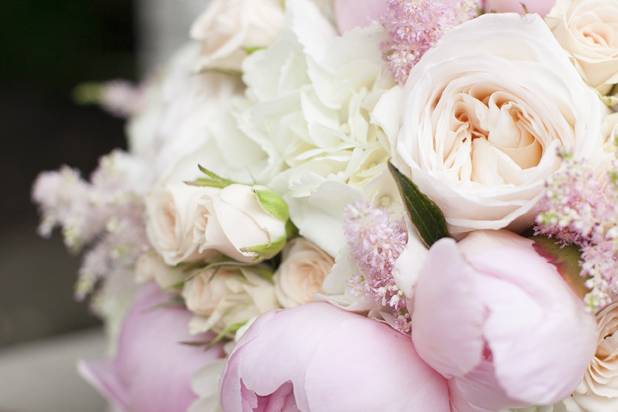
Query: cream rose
[187,223]
[480,121]
[151,267]
[588,31]
[301,274]
[599,389]
[173,214]
[230,29]
[225,297]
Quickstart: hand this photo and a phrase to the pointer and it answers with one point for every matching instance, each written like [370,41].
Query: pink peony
[358,13]
[498,321]
[152,370]
[319,358]
[541,7]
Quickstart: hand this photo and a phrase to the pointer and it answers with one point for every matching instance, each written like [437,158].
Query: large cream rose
[230,29]
[227,297]
[588,31]
[480,121]
[301,274]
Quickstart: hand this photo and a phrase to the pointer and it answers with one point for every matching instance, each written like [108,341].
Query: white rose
[223,298]
[173,214]
[301,274]
[229,29]
[480,121]
[588,31]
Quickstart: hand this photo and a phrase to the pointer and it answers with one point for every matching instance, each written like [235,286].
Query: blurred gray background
[50,46]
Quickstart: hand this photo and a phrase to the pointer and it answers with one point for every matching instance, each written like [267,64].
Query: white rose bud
[230,29]
[226,297]
[247,224]
[587,30]
[301,274]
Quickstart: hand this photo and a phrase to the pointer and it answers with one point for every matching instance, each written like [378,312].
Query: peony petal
[334,361]
[448,315]
[540,336]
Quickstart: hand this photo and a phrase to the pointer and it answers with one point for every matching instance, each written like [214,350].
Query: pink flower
[498,321]
[358,13]
[541,7]
[319,358]
[152,370]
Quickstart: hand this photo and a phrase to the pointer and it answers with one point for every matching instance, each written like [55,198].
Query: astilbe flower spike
[376,240]
[104,214]
[580,207]
[414,27]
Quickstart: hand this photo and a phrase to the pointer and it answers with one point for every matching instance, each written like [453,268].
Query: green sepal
[426,216]
[263,271]
[267,250]
[291,231]
[210,179]
[227,333]
[272,203]
[608,100]
[252,49]
[566,259]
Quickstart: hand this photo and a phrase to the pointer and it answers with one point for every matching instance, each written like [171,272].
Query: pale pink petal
[519,6]
[540,335]
[153,369]
[335,361]
[358,13]
[479,391]
[448,315]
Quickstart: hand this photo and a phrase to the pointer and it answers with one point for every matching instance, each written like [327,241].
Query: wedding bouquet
[359,205]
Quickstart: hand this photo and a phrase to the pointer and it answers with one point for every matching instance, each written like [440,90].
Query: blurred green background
[48,47]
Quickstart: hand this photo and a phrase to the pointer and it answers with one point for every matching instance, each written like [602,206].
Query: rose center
[491,137]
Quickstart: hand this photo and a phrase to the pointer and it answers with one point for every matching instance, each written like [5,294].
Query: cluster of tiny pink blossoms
[580,207]
[414,27]
[105,214]
[376,241]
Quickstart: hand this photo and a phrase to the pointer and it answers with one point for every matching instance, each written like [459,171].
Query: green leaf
[267,250]
[272,203]
[567,259]
[424,213]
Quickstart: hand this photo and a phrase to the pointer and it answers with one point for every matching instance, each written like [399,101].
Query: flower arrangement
[359,205]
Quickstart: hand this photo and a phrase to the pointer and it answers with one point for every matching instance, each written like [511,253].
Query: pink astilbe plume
[414,27]
[376,240]
[104,215]
[580,207]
